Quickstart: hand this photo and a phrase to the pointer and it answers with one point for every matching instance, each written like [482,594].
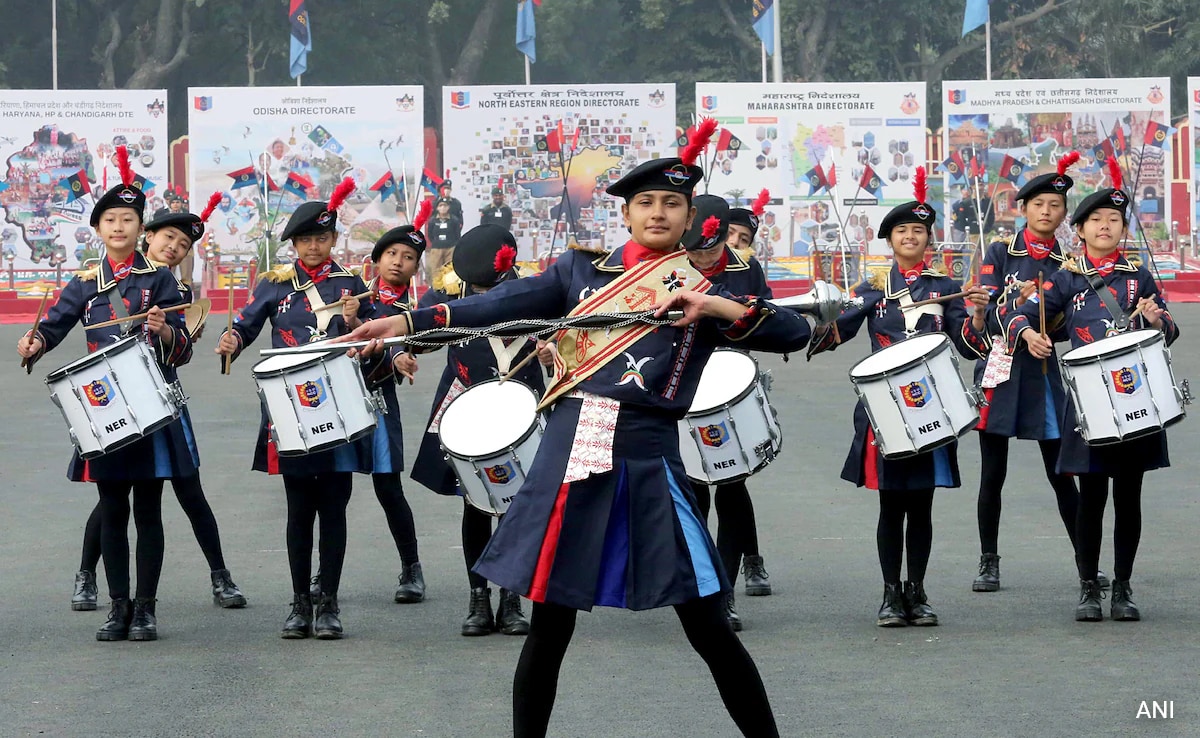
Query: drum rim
[697,412]
[523,438]
[317,358]
[90,359]
[1151,337]
[943,345]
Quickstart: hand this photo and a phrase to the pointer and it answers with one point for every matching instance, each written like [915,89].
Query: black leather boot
[144,626]
[989,574]
[116,628]
[1088,609]
[735,620]
[225,592]
[412,584]
[314,587]
[299,623]
[916,605]
[756,576]
[328,625]
[480,621]
[1122,606]
[1102,579]
[85,591]
[891,612]
[509,618]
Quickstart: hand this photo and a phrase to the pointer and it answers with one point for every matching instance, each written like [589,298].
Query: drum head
[195,314]
[487,418]
[898,355]
[726,376]
[92,358]
[1112,344]
[286,362]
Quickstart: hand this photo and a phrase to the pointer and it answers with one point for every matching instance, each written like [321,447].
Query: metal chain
[539,327]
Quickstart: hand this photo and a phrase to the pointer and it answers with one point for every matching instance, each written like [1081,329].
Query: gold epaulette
[283,273]
[1072,265]
[156,264]
[879,279]
[447,282]
[588,249]
[745,254]
[356,270]
[87,275]
[936,271]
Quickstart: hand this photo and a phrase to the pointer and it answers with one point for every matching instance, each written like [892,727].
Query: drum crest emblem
[311,394]
[1126,380]
[501,473]
[99,392]
[916,394]
[715,435]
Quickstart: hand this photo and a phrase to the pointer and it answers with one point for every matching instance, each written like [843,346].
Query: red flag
[978,168]
[575,139]
[831,175]
[870,181]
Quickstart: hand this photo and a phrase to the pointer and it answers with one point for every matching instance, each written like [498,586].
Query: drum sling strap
[117,303]
[1119,316]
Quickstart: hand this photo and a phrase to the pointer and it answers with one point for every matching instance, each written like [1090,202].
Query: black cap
[190,225]
[745,218]
[441,200]
[404,234]
[446,183]
[707,206]
[910,212]
[1112,198]
[121,196]
[670,175]
[1051,182]
[310,219]
[497,191]
[476,253]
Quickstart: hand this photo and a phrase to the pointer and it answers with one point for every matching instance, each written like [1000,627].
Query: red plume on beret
[213,200]
[699,142]
[760,204]
[1066,161]
[920,187]
[423,214]
[123,165]
[1114,173]
[505,258]
[712,224]
[340,193]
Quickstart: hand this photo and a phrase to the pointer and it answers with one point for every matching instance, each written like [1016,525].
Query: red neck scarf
[718,267]
[634,253]
[121,270]
[389,294]
[1105,265]
[318,274]
[1038,248]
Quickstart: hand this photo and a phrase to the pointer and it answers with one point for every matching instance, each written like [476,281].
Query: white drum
[730,431]
[1123,387]
[490,434]
[315,401]
[915,396]
[114,396]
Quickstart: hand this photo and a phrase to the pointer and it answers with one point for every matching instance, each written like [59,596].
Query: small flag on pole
[1011,169]
[77,186]
[975,15]
[870,181]
[764,21]
[1157,134]
[430,182]
[527,29]
[386,187]
[243,178]
[816,179]
[298,185]
[301,41]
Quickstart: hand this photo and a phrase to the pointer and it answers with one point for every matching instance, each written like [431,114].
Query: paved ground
[1008,664]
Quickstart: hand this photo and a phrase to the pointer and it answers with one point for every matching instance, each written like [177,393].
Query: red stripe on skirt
[986,410]
[272,454]
[545,562]
[87,471]
[871,462]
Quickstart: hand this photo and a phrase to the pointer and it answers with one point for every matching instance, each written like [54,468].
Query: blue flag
[764,23]
[301,37]
[976,15]
[527,29]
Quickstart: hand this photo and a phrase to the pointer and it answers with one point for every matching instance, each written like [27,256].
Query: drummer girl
[124,276]
[905,485]
[483,259]
[606,516]
[1075,292]
[317,485]
[169,238]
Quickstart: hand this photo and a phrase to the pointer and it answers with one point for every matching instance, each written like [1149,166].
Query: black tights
[708,631]
[1127,522]
[737,534]
[399,515]
[191,498]
[993,450]
[309,497]
[114,535]
[476,532]
[894,506]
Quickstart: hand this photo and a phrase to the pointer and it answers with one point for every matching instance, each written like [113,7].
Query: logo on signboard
[1155,96]
[1127,380]
[99,392]
[501,473]
[916,394]
[202,102]
[311,394]
[909,105]
[956,97]
[405,104]
[714,436]
[657,99]
[709,103]
[156,108]
[460,99]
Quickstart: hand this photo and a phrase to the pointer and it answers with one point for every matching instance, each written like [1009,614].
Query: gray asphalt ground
[1014,663]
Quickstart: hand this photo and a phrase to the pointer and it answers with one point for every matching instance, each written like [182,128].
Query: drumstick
[227,359]
[37,322]
[139,316]
[520,364]
[343,300]
[933,300]
[1042,313]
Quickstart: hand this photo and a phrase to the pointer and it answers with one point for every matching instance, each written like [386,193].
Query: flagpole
[987,43]
[54,43]
[526,69]
[777,40]
[764,61]
[298,76]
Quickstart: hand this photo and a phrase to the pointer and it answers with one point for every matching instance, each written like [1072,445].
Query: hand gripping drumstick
[37,322]
[227,359]
[342,300]
[520,364]
[1042,313]
[139,316]
[935,300]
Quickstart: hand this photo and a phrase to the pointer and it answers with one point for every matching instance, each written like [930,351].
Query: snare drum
[1123,387]
[915,396]
[490,434]
[730,431]
[315,401]
[114,396]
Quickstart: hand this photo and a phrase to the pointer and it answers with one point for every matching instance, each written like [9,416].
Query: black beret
[1051,182]
[475,254]
[121,196]
[1114,199]
[707,206]
[404,234]
[670,175]
[189,224]
[310,219]
[909,212]
[745,218]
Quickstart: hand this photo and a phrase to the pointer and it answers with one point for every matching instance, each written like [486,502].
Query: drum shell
[136,400]
[906,426]
[345,413]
